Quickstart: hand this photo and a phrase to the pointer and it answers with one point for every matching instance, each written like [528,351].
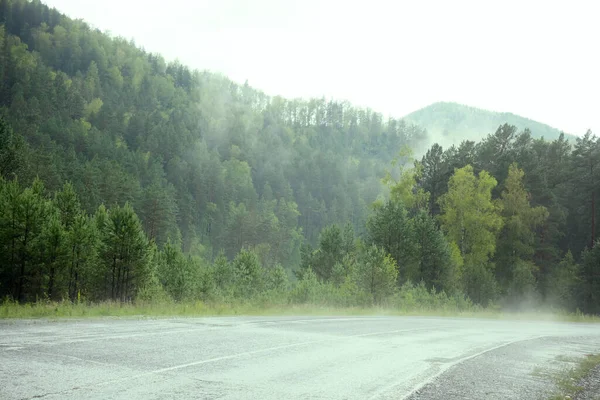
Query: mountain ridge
[452,122]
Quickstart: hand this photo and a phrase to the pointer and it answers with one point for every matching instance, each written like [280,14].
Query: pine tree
[377,273]
[124,252]
[82,251]
[590,280]
[12,151]
[390,228]
[176,272]
[53,251]
[564,283]
[433,254]
[434,180]
[515,270]
[29,210]
[248,274]
[158,211]
[585,191]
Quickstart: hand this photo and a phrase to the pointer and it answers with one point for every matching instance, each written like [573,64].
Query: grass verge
[568,382]
[66,309]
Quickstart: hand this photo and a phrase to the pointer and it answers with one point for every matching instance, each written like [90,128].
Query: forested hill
[123,177]
[451,123]
[196,154]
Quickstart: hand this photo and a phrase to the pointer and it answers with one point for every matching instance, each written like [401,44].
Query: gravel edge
[590,385]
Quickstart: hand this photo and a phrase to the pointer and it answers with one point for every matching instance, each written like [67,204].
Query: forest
[125,177]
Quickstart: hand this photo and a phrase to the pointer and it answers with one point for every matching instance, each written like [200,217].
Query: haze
[536,59]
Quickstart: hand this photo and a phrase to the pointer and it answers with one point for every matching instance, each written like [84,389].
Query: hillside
[451,123]
[125,177]
[199,157]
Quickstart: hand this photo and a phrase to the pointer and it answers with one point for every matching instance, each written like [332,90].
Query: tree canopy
[124,176]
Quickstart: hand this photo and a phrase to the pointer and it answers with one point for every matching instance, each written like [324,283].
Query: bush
[410,298]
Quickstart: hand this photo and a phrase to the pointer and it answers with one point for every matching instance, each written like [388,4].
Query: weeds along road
[286,358]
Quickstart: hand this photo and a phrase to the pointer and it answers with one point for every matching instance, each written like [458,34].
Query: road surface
[285,358]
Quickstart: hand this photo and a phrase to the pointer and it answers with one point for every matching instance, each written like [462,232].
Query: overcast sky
[539,59]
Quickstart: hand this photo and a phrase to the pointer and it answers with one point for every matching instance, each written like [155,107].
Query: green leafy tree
[193,151]
[472,221]
[405,189]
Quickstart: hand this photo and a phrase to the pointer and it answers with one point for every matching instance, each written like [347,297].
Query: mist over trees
[125,177]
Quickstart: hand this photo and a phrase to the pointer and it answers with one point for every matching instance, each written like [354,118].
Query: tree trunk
[12,254]
[20,293]
[51,283]
[593,219]
[152,221]
[119,280]
[71,271]
[76,284]
[126,285]
[113,282]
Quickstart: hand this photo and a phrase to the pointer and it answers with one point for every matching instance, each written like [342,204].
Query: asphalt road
[285,358]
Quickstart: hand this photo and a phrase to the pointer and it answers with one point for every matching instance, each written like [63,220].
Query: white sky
[538,59]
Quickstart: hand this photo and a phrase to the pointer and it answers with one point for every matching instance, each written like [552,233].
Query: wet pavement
[285,358]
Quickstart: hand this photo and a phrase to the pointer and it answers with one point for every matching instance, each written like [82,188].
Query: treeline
[183,185]
[52,250]
[521,214]
[508,221]
[478,243]
[219,165]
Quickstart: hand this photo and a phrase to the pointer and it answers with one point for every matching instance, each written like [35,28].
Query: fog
[533,59]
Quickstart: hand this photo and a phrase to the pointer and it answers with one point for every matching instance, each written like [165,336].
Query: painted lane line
[441,369]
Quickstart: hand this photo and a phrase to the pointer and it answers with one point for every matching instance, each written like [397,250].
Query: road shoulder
[509,372]
[590,385]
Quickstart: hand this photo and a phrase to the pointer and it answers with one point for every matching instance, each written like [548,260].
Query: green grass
[13,310]
[65,309]
[568,382]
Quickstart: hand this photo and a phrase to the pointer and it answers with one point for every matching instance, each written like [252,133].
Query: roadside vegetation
[570,382]
[130,185]
[420,303]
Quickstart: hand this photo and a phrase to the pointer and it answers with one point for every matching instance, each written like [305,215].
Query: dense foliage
[222,163]
[125,177]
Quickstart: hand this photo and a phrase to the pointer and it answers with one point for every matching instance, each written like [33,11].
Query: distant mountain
[451,123]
